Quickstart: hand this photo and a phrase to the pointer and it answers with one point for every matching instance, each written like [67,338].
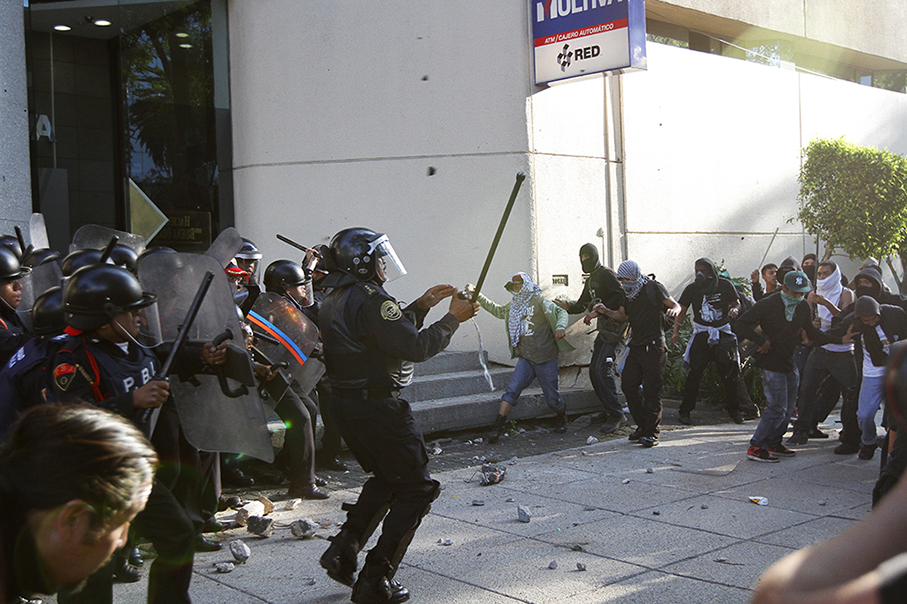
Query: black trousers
[701,354]
[331,444]
[645,367]
[298,411]
[383,436]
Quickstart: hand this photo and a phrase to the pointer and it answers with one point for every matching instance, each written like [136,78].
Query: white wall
[335,126]
[15,174]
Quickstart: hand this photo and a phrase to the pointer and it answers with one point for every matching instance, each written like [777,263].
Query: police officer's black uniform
[89,368]
[370,344]
[12,333]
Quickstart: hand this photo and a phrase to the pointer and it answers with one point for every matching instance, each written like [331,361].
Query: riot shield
[34,283]
[37,232]
[212,419]
[225,246]
[288,336]
[97,237]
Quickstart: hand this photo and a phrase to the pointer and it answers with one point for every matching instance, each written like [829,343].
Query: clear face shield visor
[146,325]
[388,266]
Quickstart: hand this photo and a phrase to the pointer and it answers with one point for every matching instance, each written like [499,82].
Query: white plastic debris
[759,500]
[591,440]
[626,481]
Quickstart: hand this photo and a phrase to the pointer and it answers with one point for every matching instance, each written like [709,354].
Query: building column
[15,174]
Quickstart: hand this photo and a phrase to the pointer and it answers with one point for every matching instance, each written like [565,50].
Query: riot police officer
[296,407]
[12,332]
[370,344]
[103,362]
[23,381]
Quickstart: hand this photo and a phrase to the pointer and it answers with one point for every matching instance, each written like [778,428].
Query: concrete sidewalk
[669,524]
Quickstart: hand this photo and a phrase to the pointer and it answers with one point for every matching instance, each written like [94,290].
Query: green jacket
[557,319]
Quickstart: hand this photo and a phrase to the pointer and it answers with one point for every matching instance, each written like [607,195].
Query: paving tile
[790,493]
[654,587]
[808,533]
[738,565]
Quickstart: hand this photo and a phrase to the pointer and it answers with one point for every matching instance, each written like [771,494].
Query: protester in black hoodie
[715,302]
[602,286]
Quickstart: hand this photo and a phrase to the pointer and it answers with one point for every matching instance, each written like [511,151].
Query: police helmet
[281,275]
[357,251]
[11,243]
[40,256]
[125,256]
[10,269]
[248,251]
[47,313]
[94,294]
[79,259]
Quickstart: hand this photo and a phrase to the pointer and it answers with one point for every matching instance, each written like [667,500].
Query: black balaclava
[706,276]
[789,264]
[591,263]
[811,271]
[875,290]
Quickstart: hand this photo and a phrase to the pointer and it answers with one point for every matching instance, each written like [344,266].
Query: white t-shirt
[870,370]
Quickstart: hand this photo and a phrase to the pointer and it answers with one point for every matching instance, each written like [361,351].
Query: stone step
[460,383]
[474,411]
[450,362]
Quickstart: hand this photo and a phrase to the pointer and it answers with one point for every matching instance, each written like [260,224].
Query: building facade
[413,119]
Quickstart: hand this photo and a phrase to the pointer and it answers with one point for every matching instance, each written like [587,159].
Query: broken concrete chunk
[253,508]
[580,566]
[292,504]
[591,440]
[626,481]
[261,526]
[509,500]
[224,567]
[445,542]
[269,505]
[704,506]
[478,502]
[523,513]
[240,551]
[303,528]
[650,471]
[552,565]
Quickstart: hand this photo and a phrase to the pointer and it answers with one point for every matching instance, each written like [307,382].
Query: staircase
[450,392]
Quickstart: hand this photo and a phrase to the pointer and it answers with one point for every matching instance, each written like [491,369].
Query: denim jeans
[547,374]
[872,393]
[601,373]
[781,393]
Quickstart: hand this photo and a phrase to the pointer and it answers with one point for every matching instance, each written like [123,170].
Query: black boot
[497,429]
[340,558]
[374,587]
[560,422]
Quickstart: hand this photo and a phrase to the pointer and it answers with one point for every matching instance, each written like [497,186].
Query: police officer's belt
[365,393]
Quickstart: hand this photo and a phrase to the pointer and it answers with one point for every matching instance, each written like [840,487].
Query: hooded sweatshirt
[710,295]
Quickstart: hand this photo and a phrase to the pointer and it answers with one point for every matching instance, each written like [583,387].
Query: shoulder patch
[63,374]
[390,311]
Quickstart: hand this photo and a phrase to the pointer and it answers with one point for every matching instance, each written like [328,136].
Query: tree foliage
[855,198]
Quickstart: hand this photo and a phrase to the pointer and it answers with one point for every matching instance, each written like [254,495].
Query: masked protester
[829,371]
[715,302]
[646,304]
[782,318]
[602,286]
[370,345]
[535,335]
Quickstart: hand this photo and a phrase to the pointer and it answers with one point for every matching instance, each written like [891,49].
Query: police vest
[114,374]
[354,360]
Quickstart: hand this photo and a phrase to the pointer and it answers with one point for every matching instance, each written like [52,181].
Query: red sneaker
[781,451]
[760,454]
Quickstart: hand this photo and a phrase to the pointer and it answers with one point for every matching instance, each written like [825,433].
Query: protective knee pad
[405,517]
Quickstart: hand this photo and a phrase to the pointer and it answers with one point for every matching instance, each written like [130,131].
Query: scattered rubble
[580,566]
[240,551]
[303,528]
[523,513]
[253,508]
[552,565]
[224,567]
[445,542]
[591,440]
[292,504]
[258,525]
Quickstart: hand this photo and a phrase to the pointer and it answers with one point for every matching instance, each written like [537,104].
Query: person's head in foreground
[72,478]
